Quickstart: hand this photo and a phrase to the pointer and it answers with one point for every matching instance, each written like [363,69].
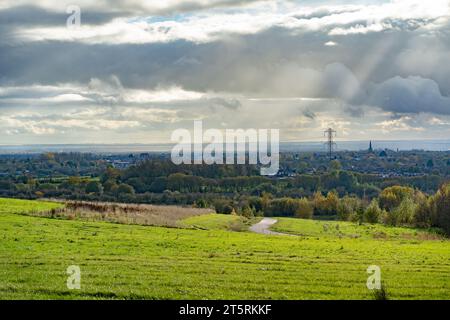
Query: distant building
[370,147]
[144,156]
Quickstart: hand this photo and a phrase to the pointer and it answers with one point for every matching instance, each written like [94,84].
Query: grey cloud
[124,8]
[248,63]
[275,63]
[340,82]
[30,15]
[409,95]
[231,104]
[354,111]
[188,6]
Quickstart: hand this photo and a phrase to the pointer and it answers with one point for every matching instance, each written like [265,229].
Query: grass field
[140,262]
[219,222]
[340,229]
[26,207]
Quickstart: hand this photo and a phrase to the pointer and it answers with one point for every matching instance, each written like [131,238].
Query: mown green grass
[219,222]
[25,206]
[133,262]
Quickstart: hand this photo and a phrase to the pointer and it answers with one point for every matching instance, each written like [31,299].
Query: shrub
[223,206]
[373,212]
[304,209]
[289,207]
[125,189]
[348,207]
[325,205]
[109,185]
[403,214]
[201,203]
[247,212]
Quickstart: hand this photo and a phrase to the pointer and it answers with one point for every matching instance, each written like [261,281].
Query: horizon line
[170,143]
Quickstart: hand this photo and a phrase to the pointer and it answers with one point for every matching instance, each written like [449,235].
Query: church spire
[370,147]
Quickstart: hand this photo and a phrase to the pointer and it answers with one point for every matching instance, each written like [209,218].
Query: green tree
[304,209]
[247,212]
[110,185]
[391,197]
[442,202]
[125,189]
[159,185]
[373,213]
[403,214]
[348,208]
[94,187]
[111,174]
[425,214]
[326,205]
[335,165]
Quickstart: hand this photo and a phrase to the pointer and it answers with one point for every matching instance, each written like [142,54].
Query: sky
[134,71]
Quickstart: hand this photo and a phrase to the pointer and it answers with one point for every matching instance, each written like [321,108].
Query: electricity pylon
[330,134]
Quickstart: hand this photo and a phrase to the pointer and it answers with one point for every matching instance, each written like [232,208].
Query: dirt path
[263,227]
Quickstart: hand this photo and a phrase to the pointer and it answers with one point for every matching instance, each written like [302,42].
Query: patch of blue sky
[155,19]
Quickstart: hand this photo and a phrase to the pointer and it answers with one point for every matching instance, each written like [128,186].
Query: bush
[223,206]
[304,209]
[247,212]
[125,189]
[201,203]
[109,186]
[373,212]
[348,208]
[402,214]
[289,207]
[325,205]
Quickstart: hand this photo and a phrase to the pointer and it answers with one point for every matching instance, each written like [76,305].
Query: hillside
[121,261]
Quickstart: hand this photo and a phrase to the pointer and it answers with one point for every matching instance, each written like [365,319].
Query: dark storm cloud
[410,95]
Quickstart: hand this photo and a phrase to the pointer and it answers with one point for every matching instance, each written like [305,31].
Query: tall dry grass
[140,214]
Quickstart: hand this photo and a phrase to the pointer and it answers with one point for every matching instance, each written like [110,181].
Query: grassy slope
[219,222]
[26,206]
[340,229]
[124,261]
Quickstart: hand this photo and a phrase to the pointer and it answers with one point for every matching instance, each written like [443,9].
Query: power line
[330,134]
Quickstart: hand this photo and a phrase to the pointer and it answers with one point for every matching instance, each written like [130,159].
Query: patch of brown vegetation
[141,214]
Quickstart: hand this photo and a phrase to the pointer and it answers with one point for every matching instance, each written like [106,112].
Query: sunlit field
[206,259]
